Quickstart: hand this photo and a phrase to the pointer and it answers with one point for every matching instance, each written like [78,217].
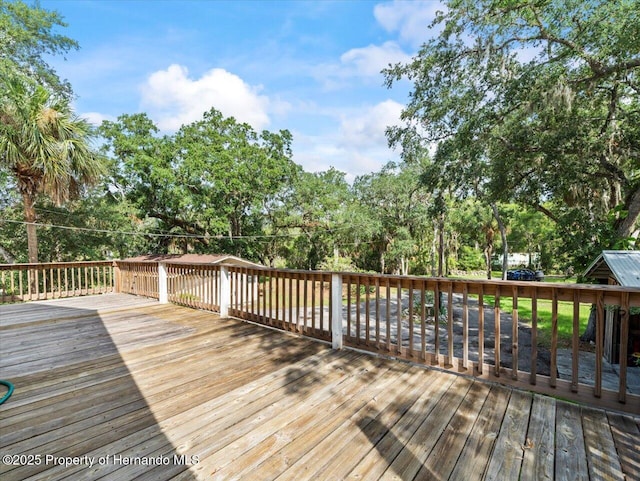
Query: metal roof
[623,266]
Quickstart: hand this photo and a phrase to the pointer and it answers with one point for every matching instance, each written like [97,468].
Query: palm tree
[45,147]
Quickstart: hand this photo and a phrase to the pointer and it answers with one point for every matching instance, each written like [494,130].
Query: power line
[148,234]
[177,236]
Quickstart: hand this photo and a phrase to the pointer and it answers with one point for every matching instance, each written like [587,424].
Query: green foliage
[557,132]
[210,183]
[397,209]
[231,173]
[315,211]
[470,259]
[96,228]
[337,264]
[27,37]
[534,108]
[45,149]
[45,154]
[43,144]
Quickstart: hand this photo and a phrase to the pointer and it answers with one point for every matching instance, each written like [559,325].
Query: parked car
[525,275]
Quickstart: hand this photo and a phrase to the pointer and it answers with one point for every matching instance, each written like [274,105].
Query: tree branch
[187,226]
[547,212]
[545,35]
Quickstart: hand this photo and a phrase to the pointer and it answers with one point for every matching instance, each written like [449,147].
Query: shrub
[470,259]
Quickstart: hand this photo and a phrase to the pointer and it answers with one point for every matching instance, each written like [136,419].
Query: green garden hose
[9,392]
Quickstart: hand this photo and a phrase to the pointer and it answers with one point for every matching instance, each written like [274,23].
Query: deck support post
[225,291]
[336,311]
[163,291]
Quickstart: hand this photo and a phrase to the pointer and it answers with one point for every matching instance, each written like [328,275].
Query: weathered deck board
[571,460]
[601,453]
[121,376]
[370,467]
[416,449]
[445,454]
[483,434]
[539,447]
[506,459]
[621,427]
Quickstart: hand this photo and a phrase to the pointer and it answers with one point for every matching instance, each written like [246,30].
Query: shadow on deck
[76,399]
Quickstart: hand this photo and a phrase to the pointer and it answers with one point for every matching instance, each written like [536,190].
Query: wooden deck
[131,389]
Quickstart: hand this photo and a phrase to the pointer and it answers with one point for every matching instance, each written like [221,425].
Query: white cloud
[369,61]
[363,138]
[172,99]
[367,128]
[317,153]
[96,118]
[359,64]
[410,19]
[358,147]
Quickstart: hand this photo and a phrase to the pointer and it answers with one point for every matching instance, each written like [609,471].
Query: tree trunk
[488,253]
[441,246]
[488,249]
[589,334]
[625,227]
[434,250]
[503,235]
[404,266]
[8,256]
[30,219]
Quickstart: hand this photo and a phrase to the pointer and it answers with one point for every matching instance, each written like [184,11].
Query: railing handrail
[27,265]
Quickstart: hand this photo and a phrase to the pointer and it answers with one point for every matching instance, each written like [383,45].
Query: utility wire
[153,234]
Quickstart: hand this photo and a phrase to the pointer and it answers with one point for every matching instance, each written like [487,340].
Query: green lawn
[565,313]
[565,318]
[497,275]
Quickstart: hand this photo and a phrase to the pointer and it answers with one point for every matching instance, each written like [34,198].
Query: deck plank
[121,375]
[626,435]
[337,439]
[295,441]
[571,459]
[539,447]
[444,456]
[416,450]
[600,448]
[482,437]
[244,456]
[375,462]
[506,458]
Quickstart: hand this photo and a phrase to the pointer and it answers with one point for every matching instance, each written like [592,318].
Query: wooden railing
[296,301]
[194,285]
[138,278]
[461,326]
[28,282]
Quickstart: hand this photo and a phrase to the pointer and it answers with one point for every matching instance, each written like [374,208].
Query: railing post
[225,291]
[336,311]
[163,292]
[116,278]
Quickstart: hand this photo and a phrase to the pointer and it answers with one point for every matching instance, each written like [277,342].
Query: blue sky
[312,67]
